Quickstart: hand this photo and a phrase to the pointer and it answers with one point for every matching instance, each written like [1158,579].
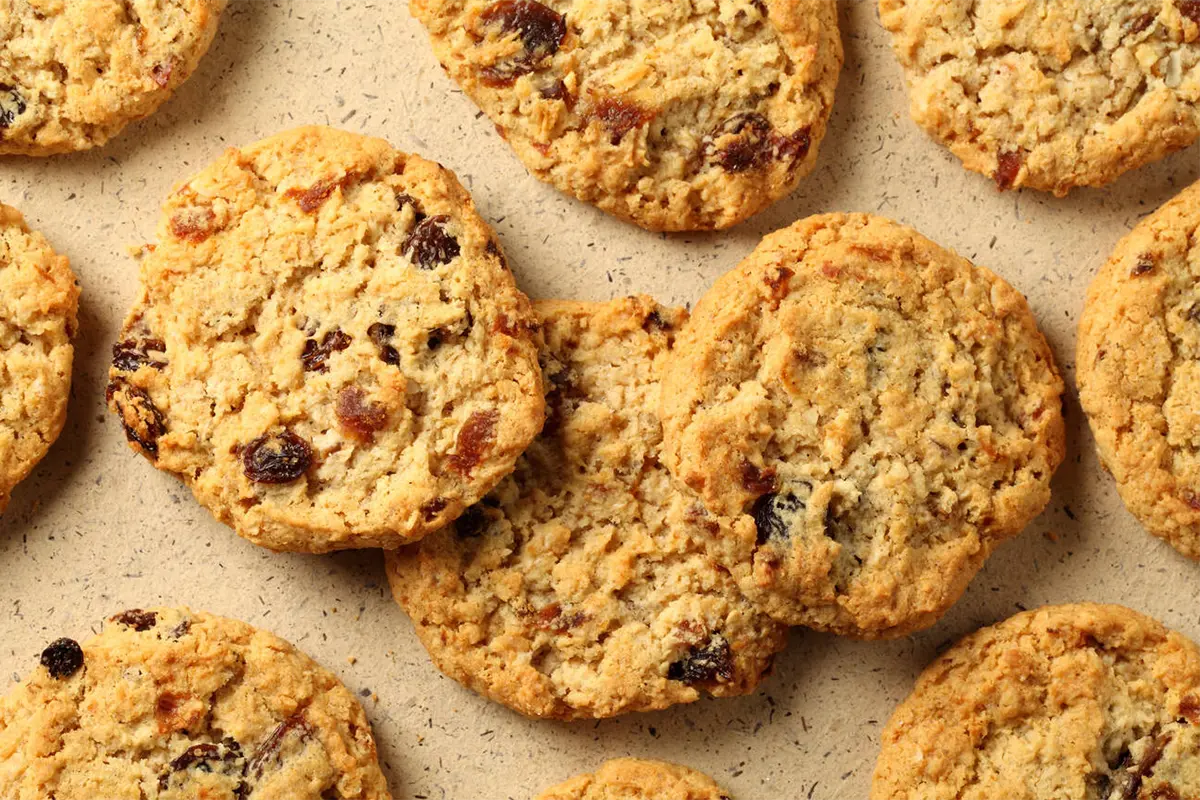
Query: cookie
[172,704]
[73,74]
[637,779]
[1137,369]
[1052,94]
[673,116]
[328,346]
[1075,702]
[580,587]
[39,300]
[875,413]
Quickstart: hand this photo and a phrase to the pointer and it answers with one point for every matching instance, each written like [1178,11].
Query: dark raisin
[358,416]
[137,619]
[1008,166]
[1144,266]
[472,523]
[741,143]
[768,513]
[1190,9]
[276,458]
[429,245]
[557,91]
[1140,24]
[316,354]
[619,116]
[541,29]
[225,758]
[269,749]
[757,481]
[474,439]
[713,662]
[655,321]
[793,147]
[382,335]
[403,200]
[144,423]
[132,354]
[62,658]
[181,629]
[12,105]
[431,509]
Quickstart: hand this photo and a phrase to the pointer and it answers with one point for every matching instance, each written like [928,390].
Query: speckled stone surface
[95,530]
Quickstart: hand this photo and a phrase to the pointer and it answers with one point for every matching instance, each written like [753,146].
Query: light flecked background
[96,529]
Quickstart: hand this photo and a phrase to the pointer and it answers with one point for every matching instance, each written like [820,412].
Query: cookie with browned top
[173,704]
[328,347]
[1052,94]
[1138,373]
[74,73]
[39,300]
[580,587]
[876,413]
[637,779]
[1076,702]
[674,116]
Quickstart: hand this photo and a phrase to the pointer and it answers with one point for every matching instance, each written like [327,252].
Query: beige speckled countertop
[97,529]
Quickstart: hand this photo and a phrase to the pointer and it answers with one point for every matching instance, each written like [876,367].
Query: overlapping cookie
[328,346]
[674,116]
[637,779]
[1052,94]
[39,300]
[173,704]
[74,73]
[1077,702]
[875,412]
[1138,374]
[580,587]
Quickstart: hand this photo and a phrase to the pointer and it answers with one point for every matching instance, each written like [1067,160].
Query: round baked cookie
[1075,702]
[1052,94]
[580,587]
[637,779]
[673,116]
[1138,374]
[173,704]
[74,73]
[876,412]
[39,300]
[328,347]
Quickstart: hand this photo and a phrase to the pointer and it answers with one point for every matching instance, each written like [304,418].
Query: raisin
[744,143]
[1190,9]
[62,658]
[552,618]
[557,91]
[713,662]
[757,481]
[1141,23]
[779,282]
[1008,166]
[403,200]
[1144,266]
[472,523]
[793,147]
[382,335]
[619,116]
[1165,792]
[474,438]
[429,245]
[143,422]
[316,354]
[361,418]
[12,105]
[768,514]
[269,749]
[209,758]
[431,509]
[276,458]
[194,224]
[132,354]
[656,322]
[137,619]
[540,28]
[181,629]
[314,197]
[161,73]
[1189,709]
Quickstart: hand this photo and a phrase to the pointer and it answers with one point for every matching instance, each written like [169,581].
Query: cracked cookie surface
[637,779]
[173,704]
[672,115]
[328,346]
[874,412]
[1076,702]
[39,300]
[74,73]
[1052,94]
[1138,373]
[580,587]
